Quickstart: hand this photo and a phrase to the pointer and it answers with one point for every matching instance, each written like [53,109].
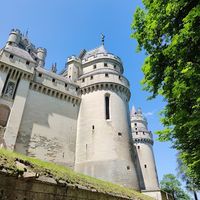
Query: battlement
[18,42]
[73,58]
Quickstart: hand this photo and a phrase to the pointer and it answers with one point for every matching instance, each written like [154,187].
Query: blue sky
[64,27]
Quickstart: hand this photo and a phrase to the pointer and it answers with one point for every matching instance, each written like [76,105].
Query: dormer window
[11,56]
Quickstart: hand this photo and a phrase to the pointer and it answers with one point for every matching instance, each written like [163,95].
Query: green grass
[8,161]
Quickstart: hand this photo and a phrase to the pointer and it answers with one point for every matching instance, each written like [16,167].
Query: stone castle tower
[143,142]
[78,118]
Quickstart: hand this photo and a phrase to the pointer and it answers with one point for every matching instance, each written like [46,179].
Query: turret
[41,55]
[14,37]
[143,141]
[74,68]
[103,131]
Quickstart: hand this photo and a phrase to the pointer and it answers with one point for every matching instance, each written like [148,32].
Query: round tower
[104,134]
[41,55]
[14,37]
[143,141]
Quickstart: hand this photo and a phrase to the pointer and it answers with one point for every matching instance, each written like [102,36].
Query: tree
[169,32]
[190,185]
[171,184]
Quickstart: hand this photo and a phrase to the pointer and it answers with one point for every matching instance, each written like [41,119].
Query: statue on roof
[102,38]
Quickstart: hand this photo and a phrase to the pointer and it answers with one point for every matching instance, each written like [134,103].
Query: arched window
[4,114]
[107,106]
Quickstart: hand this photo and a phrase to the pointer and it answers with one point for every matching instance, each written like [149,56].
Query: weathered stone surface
[30,189]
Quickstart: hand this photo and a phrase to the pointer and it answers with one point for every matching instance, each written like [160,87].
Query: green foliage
[190,184]
[169,32]
[171,184]
[8,161]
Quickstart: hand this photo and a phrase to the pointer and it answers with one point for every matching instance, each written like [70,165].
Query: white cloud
[149,114]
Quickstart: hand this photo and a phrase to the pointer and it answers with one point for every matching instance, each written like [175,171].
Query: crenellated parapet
[75,100]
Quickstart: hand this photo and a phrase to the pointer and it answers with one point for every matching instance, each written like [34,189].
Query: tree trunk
[195,195]
[173,195]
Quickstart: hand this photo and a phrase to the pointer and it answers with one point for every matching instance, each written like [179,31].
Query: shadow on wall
[47,122]
[4,115]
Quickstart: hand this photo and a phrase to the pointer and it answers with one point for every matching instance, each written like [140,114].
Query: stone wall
[48,129]
[12,188]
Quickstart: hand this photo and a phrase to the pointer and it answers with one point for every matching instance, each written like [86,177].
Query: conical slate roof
[95,51]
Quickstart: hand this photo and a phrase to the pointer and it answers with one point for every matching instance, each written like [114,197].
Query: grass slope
[9,159]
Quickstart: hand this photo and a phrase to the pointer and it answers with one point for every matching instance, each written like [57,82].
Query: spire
[54,68]
[26,35]
[102,38]
[140,110]
[133,111]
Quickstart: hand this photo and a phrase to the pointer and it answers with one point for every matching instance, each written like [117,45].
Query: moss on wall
[21,166]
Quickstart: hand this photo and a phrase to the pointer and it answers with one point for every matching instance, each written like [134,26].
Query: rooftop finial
[102,38]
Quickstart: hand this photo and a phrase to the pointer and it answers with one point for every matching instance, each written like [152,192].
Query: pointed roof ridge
[93,52]
[133,111]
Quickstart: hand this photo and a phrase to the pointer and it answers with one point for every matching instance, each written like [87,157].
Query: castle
[79,118]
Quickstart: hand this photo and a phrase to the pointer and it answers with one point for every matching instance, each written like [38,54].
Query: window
[120,78]
[11,56]
[92,127]
[66,85]
[115,66]
[94,66]
[135,124]
[136,133]
[53,80]
[107,107]
[145,166]
[10,89]
[143,133]
[106,75]
[120,134]
[27,62]
[105,65]
[83,80]
[138,147]
[128,167]
[91,77]
[40,75]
